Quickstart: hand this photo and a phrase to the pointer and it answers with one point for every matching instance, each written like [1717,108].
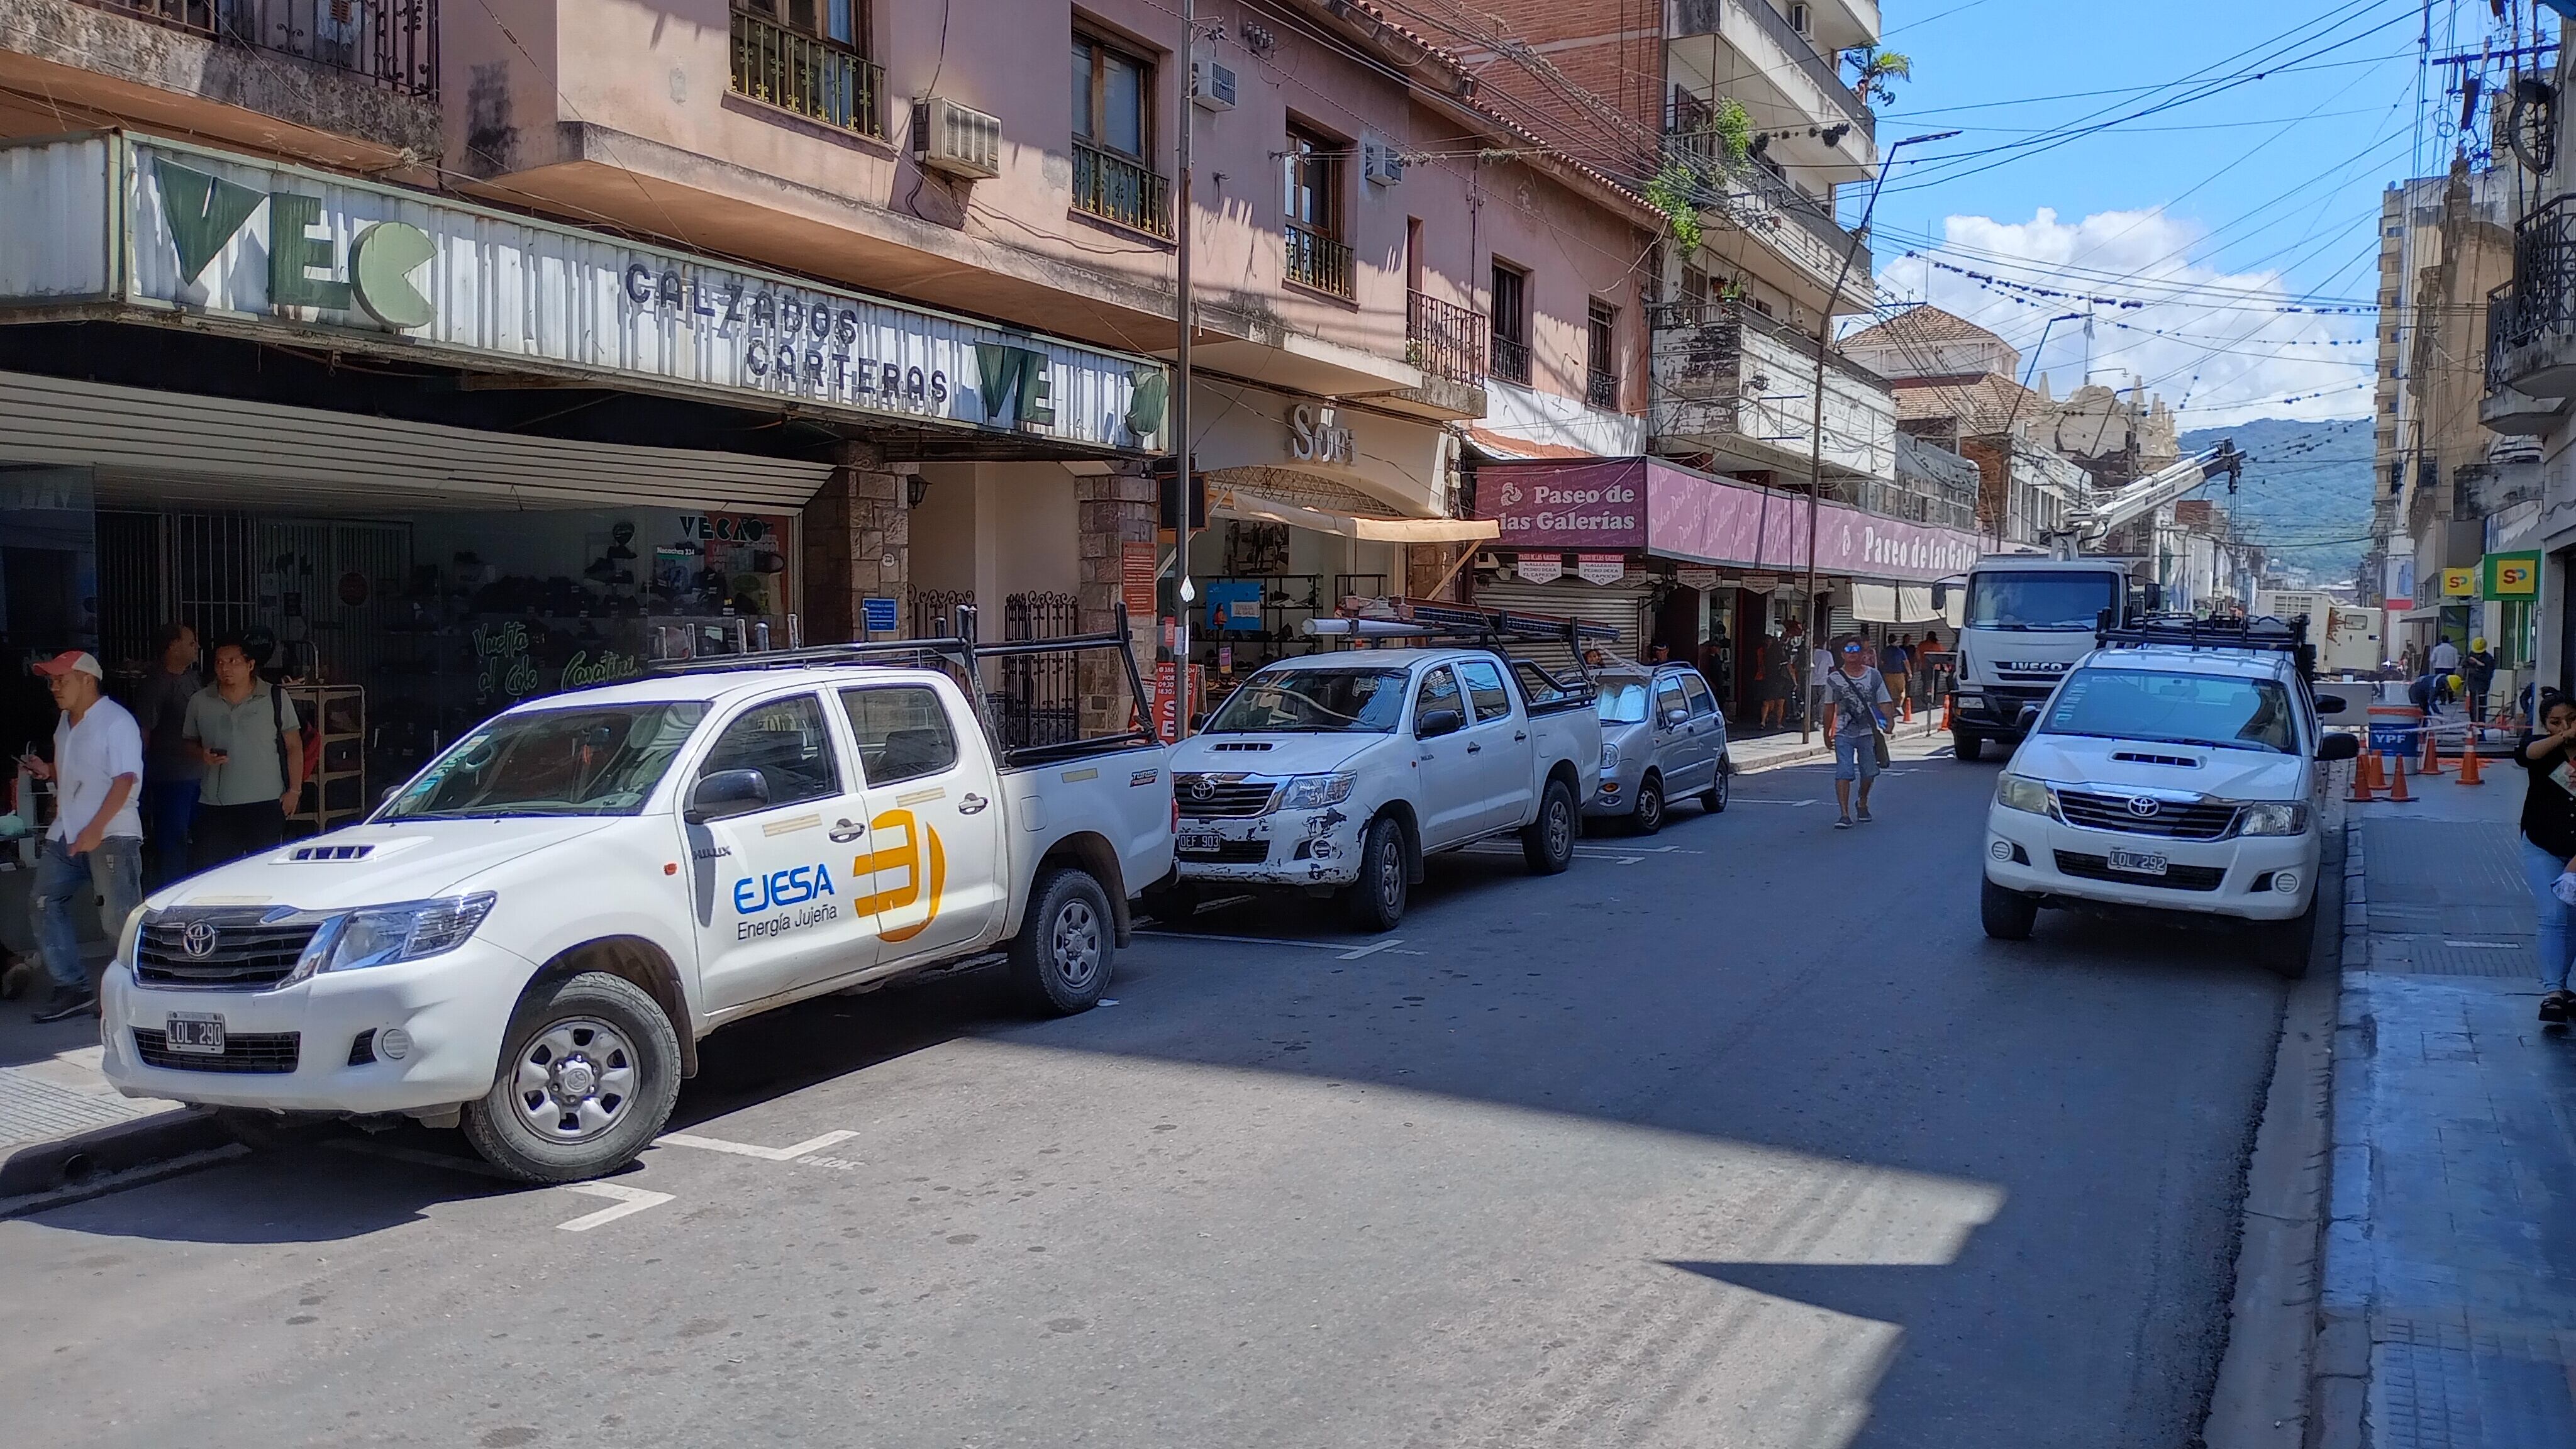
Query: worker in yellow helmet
[2477,672]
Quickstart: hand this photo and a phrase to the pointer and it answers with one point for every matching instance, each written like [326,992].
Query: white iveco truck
[2029,617]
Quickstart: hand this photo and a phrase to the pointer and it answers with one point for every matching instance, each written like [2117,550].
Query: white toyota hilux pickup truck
[531,936]
[2176,774]
[1339,772]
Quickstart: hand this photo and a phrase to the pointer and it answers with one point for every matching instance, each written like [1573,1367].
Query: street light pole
[1816,420]
[1184,593]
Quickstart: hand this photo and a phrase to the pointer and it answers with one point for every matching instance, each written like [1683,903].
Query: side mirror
[1675,718]
[2339,746]
[1941,597]
[2331,704]
[727,792]
[1435,723]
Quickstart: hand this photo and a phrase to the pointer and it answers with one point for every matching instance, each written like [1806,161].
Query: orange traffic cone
[2397,783]
[1949,713]
[2469,770]
[1905,710]
[2432,753]
[2365,778]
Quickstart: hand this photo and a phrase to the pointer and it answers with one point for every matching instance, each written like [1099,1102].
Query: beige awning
[1914,604]
[1874,603]
[1268,496]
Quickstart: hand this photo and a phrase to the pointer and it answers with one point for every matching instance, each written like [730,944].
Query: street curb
[42,1174]
[2339,1384]
[2262,1398]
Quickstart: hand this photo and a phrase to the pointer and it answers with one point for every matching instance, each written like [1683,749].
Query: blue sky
[2218,210]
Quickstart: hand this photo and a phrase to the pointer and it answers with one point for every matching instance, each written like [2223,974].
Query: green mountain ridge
[2306,494]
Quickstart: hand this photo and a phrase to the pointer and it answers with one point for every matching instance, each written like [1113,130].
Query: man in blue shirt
[1896,667]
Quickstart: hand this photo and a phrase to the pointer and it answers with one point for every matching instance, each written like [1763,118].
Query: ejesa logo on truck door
[923,862]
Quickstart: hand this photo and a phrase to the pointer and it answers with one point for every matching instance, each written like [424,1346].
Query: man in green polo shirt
[244,731]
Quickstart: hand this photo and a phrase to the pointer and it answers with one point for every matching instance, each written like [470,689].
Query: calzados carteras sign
[238,241]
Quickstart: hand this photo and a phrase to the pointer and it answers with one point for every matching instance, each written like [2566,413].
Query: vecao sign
[252,246]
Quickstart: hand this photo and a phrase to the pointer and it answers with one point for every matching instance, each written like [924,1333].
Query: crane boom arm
[2089,525]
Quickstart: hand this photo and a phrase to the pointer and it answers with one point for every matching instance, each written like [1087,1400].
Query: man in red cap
[96,842]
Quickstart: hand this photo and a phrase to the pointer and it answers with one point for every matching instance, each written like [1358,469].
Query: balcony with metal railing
[1444,339]
[1121,190]
[1731,381]
[1765,206]
[1511,361]
[1319,261]
[1818,68]
[1601,389]
[389,43]
[821,80]
[2531,326]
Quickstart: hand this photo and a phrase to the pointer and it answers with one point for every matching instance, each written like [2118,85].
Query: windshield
[1300,701]
[2181,709]
[2040,601]
[601,761]
[1621,701]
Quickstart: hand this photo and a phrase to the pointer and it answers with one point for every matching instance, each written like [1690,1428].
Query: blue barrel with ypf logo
[2395,729]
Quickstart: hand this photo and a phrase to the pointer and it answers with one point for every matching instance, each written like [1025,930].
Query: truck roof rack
[2184,631]
[1398,618]
[959,653]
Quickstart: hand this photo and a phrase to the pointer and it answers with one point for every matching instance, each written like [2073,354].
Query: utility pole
[1816,424]
[1184,592]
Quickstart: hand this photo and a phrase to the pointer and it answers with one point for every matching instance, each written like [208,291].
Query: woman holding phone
[2549,842]
[244,731]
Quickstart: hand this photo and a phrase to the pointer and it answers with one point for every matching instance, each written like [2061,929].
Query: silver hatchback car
[1662,738]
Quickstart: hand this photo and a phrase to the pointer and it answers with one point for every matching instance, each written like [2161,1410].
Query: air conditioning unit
[1802,21]
[1211,84]
[954,139]
[1380,162]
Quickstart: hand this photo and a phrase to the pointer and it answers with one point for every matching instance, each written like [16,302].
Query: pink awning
[1646,505]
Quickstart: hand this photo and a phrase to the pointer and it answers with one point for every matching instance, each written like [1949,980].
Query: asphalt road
[1742,1135]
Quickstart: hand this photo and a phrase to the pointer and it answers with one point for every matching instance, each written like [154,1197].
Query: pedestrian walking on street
[2549,842]
[1896,666]
[95,845]
[1779,677]
[171,772]
[2445,658]
[1856,704]
[2477,669]
[244,731]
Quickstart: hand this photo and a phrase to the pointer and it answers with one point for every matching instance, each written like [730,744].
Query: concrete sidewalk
[2447,1308]
[1778,751]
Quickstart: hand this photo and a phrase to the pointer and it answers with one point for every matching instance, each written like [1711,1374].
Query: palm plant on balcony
[1875,69]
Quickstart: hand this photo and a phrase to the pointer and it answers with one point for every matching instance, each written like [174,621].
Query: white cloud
[2209,342]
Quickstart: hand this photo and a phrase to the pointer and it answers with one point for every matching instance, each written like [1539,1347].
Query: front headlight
[2020,792]
[1609,758]
[382,935]
[1314,792]
[127,939]
[2276,818]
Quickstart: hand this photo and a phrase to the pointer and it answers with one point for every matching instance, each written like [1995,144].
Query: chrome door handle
[972,804]
[1519,735]
[1475,749]
[844,831]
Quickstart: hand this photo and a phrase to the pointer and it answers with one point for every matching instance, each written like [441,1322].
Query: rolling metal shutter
[1622,606]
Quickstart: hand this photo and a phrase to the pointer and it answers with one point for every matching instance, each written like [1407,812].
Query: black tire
[1062,956]
[2284,947]
[587,1079]
[2007,915]
[1648,817]
[1967,746]
[1172,904]
[1713,799]
[1547,842]
[1377,899]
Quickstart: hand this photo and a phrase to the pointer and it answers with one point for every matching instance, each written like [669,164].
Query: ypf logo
[907,854]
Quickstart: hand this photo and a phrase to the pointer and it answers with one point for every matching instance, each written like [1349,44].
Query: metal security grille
[1039,703]
[934,611]
[334,586]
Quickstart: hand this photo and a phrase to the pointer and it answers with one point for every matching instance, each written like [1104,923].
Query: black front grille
[266,1053]
[2173,819]
[1231,852]
[1224,800]
[2175,878]
[244,955]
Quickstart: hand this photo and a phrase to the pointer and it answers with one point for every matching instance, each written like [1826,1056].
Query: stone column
[1114,509]
[857,542]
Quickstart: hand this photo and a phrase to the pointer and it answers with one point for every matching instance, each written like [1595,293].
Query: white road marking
[1754,800]
[1371,950]
[746,1149]
[2483,945]
[629,1200]
[1244,940]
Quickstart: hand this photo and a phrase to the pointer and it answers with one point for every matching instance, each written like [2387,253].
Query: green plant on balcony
[1875,69]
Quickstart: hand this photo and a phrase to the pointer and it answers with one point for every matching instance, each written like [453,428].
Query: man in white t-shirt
[2445,658]
[95,845]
